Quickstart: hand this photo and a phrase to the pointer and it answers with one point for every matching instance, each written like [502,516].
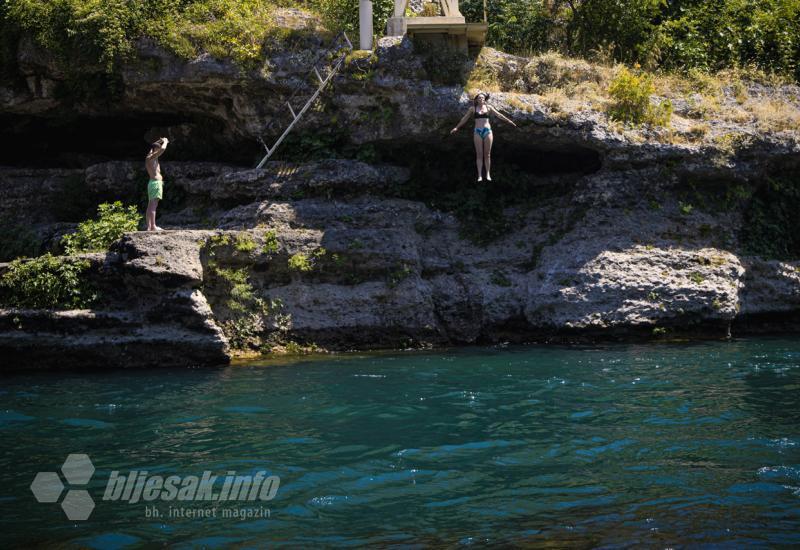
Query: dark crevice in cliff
[78,141]
[454,155]
[774,322]
[524,176]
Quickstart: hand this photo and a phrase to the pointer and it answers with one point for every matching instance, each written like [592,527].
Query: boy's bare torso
[151,162]
[153,168]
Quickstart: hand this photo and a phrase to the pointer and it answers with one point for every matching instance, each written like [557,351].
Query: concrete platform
[452,31]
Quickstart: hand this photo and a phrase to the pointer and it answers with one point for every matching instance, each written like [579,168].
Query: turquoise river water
[668,445]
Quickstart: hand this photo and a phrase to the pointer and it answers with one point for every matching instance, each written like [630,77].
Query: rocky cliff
[590,229]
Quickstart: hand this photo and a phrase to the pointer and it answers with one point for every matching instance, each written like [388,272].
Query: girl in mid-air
[482,136]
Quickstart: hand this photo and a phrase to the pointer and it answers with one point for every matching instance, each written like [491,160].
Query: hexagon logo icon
[77,469]
[47,487]
[78,505]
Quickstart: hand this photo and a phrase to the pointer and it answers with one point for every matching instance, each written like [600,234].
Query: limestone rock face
[327,178]
[353,267]
[32,190]
[151,313]
[215,109]
[619,232]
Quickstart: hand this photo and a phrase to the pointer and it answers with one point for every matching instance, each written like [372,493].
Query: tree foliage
[675,34]
[343,15]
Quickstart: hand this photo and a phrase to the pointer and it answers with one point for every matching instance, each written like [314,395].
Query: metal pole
[365,24]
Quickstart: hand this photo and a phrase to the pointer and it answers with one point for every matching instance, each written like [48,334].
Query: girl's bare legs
[476,139]
[487,155]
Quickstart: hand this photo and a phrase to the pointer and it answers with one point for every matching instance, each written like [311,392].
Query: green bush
[234,29]
[717,34]
[104,31]
[245,243]
[241,292]
[270,242]
[17,241]
[681,34]
[685,34]
[307,262]
[244,332]
[86,31]
[113,221]
[517,26]
[248,314]
[342,15]
[620,28]
[631,94]
[300,262]
[47,282]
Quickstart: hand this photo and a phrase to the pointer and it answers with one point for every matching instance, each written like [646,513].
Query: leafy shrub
[47,282]
[342,15]
[619,27]
[248,315]
[83,30]
[631,94]
[300,262]
[113,220]
[245,243]
[233,29]
[241,292]
[218,240]
[307,262]
[270,242]
[104,31]
[17,241]
[244,332]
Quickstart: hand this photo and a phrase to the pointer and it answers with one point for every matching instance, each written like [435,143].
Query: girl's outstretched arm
[463,120]
[502,116]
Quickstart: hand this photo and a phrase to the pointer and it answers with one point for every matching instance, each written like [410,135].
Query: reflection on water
[646,445]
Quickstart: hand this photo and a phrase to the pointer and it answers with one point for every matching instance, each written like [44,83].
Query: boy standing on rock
[155,187]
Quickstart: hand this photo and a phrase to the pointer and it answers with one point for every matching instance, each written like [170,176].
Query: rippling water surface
[663,445]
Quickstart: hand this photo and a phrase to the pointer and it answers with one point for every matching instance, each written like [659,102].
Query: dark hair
[485,97]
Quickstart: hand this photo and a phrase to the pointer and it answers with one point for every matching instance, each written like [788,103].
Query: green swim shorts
[155,189]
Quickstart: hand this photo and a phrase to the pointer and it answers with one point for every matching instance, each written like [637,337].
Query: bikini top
[482,115]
